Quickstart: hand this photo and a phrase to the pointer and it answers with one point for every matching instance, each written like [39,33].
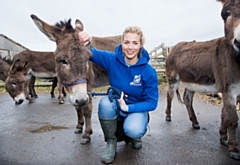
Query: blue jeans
[135,124]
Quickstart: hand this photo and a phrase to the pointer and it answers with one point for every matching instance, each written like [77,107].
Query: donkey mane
[7,60]
[66,24]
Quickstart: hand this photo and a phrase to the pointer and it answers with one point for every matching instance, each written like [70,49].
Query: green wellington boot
[136,143]
[109,127]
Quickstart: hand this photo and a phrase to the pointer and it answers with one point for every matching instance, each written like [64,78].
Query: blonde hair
[134,29]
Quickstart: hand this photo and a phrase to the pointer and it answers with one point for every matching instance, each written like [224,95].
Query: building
[8,47]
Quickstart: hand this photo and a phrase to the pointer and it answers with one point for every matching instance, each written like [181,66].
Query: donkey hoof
[78,131]
[61,102]
[224,142]
[34,97]
[85,141]
[235,155]
[196,126]
[168,118]
[31,101]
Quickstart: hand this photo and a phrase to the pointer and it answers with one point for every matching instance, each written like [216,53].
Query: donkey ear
[52,32]
[14,67]
[79,25]
[25,68]
[223,1]
[17,67]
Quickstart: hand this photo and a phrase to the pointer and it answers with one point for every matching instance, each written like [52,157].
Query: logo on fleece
[136,81]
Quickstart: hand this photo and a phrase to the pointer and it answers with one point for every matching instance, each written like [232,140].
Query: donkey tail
[179,97]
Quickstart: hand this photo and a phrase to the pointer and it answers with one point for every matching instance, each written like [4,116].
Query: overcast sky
[162,21]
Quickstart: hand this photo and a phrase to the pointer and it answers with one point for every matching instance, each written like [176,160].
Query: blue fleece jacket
[138,81]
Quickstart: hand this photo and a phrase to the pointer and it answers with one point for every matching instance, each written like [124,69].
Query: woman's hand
[84,37]
[123,105]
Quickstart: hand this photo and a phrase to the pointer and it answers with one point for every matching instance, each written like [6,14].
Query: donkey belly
[44,74]
[201,88]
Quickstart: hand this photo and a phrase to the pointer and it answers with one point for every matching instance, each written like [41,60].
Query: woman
[130,73]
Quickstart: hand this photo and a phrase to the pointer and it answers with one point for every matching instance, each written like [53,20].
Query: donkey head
[231,16]
[16,81]
[72,59]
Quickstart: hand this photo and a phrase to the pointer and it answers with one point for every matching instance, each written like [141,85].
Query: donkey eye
[64,62]
[13,84]
[225,15]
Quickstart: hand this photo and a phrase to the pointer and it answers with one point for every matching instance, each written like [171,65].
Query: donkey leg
[87,113]
[64,92]
[170,95]
[230,118]
[31,87]
[80,122]
[188,100]
[232,143]
[60,95]
[54,84]
[26,85]
[223,132]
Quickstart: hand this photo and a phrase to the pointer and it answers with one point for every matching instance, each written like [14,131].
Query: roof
[2,35]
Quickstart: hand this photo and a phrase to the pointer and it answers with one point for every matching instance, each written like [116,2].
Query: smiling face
[131,46]
[132,41]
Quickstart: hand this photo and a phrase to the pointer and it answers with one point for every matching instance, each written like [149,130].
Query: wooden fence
[158,56]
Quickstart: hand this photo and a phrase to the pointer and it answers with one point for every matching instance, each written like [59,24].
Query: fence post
[158,56]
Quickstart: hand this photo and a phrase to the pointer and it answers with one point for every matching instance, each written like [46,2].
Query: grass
[47,89]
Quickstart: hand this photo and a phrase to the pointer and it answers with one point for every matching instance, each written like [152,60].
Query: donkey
[211,66]
[4,68]
[32,64]
[33,93]
[15,89]
[74,70]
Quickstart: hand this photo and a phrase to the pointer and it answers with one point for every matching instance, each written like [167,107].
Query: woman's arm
[150,101]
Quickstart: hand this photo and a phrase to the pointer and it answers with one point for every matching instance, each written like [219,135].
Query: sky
[162,21]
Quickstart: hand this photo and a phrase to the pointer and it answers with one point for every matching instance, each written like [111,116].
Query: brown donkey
[74,70]
[211,66]
[32,64]
[4,68]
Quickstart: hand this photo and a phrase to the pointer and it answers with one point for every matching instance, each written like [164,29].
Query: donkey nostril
[81,103]
[19,102]
[76,101]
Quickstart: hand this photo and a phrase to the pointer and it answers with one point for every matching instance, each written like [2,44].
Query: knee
[105,109]
[104,102]
[135,132]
